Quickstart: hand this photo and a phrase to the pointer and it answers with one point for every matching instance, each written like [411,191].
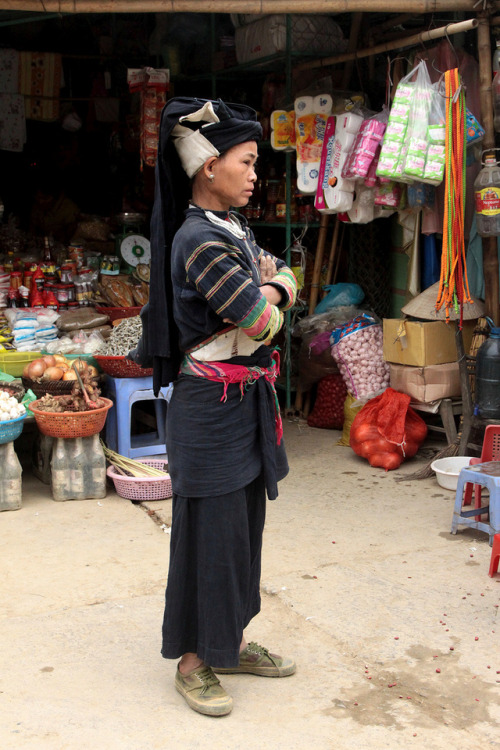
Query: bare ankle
[189,662]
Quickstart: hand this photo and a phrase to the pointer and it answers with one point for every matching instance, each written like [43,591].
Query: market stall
[361,166]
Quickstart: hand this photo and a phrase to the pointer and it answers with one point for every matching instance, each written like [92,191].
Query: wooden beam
[409,41]
[238,6]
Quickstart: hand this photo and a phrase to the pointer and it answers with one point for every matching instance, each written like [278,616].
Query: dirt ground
[392,620]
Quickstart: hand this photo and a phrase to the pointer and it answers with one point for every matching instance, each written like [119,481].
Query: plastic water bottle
[10,478]
[488,376]
[487,198]
[78,469]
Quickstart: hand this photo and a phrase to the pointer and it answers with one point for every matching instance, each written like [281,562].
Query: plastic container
[487,391]
[13,363]
[78,469]
[10,478]
[142,489]
[10,429]
[448,469]
[487,198]
[121,367]
[68,424]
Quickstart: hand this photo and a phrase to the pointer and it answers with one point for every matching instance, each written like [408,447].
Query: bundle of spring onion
[129,466]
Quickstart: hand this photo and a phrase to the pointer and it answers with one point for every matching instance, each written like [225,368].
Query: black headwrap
[158,347]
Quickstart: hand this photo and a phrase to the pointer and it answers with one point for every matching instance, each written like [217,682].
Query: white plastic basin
[448,469]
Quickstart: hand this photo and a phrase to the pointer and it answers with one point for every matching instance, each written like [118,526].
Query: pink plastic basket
[142,489]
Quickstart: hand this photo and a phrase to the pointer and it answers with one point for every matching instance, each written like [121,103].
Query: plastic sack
[339,295]
[328,409]
[315,359]
[350,412]
[357,347]
[387,430]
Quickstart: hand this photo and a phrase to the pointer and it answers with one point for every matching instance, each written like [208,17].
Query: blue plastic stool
[486,475]
[124,392]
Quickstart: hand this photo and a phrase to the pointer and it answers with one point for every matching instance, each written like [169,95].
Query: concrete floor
[392,620]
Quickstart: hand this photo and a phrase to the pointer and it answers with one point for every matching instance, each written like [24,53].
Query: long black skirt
[213,588]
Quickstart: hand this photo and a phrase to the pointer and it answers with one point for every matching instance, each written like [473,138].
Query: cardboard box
[429,383]
[421,343]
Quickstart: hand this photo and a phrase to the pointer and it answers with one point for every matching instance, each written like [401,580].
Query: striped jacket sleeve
[216,271]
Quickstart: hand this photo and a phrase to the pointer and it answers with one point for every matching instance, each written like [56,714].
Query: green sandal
[255,659]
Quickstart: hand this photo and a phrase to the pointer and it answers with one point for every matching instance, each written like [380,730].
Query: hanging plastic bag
[387,430]
[406,132]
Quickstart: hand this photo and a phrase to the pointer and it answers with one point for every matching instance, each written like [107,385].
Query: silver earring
[211,177]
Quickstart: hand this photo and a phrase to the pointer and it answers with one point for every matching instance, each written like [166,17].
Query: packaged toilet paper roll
[304,105]
[309,135]
[282,130]
[325,165]
[323,104]
[338,200]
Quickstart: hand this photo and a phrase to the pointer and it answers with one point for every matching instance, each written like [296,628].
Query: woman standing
[223,298]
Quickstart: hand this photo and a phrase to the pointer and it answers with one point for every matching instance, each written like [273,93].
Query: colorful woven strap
[453,283]
[226,373]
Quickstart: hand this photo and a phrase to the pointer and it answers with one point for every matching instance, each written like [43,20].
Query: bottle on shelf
[487,198]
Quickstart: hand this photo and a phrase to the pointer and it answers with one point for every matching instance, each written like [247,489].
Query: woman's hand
[267,269]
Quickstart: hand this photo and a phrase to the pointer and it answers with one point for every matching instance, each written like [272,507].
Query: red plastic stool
[495,555]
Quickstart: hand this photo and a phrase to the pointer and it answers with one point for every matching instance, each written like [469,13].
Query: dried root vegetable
[73,402]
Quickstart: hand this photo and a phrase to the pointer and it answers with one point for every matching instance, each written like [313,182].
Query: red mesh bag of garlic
[328,409]
[386,431]
[357,348]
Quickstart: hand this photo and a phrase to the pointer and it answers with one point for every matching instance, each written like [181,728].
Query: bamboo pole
[490,250]
[318,263]
[237,6]
[409,41]
[353,43]
[333,251]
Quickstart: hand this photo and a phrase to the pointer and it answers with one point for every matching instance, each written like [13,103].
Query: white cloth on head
[191,145]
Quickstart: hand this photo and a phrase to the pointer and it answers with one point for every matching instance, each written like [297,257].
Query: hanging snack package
[365,146]
[473,130]
[357,348]
[436,149]
[402,157]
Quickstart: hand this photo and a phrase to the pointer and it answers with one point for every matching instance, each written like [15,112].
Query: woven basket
[115,313]
[121,367]
[142,489]
[71,424]
[13,389]
[11,429]
[54,387]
